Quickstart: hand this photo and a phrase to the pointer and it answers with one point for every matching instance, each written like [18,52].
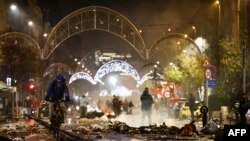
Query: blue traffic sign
[211,83]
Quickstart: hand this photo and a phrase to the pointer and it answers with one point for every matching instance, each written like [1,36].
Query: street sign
[210,72]
[211,83]
[206,63]
[213,70]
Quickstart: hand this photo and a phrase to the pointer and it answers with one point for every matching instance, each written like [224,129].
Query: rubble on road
[92,129]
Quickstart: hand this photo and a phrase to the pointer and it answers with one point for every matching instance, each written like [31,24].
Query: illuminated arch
[145,78]
[78,69]
[17,38]
[57,67]
[95,18]
[173,35]
[112,66]
[117,66]
[82,75]
[148,76]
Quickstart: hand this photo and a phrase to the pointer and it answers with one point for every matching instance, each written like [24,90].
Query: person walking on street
[192,105]
[56,91]
[116,105]
[27,104]
[83,106]
[146,106]
[130,107]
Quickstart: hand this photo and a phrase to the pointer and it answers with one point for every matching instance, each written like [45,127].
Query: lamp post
[155,75]
[157,78]
[217,3]
[156,72]
[194,29]
[219,15]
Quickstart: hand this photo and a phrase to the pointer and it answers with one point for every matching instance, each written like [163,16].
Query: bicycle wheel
[56,123]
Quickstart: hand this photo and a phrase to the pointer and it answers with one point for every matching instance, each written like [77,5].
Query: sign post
[207,75]
[210,81]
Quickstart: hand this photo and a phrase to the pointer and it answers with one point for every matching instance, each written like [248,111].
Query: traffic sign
[206,63]
[210,72]
[211,83]
[213,70]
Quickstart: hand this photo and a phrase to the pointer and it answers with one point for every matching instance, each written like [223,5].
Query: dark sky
[140,12]
[154,17]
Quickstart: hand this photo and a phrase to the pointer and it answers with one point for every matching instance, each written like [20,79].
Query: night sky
[140,12]
[154,17]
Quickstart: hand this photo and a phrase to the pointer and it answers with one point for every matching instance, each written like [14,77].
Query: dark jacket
[146,101]
[56,92]
[191,102]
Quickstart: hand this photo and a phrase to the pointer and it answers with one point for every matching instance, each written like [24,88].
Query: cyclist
[56,92]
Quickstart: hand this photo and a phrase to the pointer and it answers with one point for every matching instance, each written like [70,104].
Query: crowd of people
[119,105]
[116,105]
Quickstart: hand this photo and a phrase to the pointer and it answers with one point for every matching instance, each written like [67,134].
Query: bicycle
[57,118]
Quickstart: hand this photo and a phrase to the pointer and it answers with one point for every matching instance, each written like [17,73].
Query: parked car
[185,112]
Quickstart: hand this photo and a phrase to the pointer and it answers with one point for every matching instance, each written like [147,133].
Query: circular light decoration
[117,66]
[82,75]
[112,66]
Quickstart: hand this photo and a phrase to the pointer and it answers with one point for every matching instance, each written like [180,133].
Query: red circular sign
[210,72]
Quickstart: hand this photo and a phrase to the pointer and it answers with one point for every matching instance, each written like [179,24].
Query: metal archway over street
[95,18]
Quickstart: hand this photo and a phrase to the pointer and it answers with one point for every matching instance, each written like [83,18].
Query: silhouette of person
[146,106]
[191,104]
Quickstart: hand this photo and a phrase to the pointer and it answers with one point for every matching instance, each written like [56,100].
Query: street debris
[91,129]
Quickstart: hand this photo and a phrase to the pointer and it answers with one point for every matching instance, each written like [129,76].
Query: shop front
[6,102]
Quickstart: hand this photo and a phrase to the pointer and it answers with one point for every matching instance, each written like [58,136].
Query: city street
[98,67]
[103,129]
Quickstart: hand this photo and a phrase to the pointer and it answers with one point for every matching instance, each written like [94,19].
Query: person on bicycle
[56,91]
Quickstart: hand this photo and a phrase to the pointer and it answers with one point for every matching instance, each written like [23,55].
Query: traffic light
[31,88]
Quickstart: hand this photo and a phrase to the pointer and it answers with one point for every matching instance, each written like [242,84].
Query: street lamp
[194,29]
[30,23]
[13,7]
[4,12]
[156,73]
